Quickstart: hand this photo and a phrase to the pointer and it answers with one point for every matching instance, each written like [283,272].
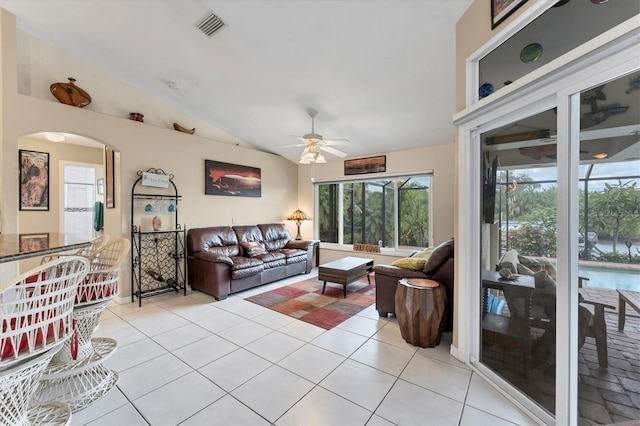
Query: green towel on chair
[98,216]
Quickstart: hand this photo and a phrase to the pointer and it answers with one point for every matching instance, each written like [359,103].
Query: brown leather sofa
[439,267]
[222,260]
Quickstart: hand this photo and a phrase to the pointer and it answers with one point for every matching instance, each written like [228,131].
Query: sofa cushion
[248,233]
[275,235]
[245,266]
[414,263]
[253,248]
[216,239]
[438,257]
[523,270]
[272,259]
[537,264]
[395,271]
[247,272]
[241,262]
[543,280]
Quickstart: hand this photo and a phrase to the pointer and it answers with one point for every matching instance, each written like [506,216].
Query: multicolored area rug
[304,300]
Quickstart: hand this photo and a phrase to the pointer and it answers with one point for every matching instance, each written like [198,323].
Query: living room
[29,110]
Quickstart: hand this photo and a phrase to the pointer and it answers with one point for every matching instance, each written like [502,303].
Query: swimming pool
[611,278]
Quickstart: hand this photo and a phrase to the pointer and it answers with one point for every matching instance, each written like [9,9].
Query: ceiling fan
[315,144]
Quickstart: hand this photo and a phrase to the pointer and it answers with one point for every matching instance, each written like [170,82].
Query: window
[392,213]
[79,198]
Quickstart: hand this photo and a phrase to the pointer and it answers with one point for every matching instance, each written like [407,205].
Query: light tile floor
[194,361]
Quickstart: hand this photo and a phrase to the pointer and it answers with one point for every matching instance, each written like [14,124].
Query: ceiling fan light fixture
[320,159]
[312,137]
[308,158]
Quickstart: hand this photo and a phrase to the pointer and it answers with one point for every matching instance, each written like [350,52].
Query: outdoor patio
[606,396]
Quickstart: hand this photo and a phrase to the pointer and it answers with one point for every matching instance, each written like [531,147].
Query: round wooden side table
[420,309]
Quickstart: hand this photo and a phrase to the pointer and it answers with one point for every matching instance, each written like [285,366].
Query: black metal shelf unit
[158,260]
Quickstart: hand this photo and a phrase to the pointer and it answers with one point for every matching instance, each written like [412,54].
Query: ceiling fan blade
[337,141]
[291,146]
[333,151]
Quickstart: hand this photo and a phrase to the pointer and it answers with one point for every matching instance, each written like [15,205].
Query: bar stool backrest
[96,244]
[101,282]
[36,309]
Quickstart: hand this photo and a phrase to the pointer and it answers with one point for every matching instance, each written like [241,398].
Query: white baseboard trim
[453,350]
[122,300]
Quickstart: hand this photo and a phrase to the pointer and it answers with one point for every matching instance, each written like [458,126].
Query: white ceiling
[380,73]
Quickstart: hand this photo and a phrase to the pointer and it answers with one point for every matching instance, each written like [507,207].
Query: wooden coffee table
[345,271]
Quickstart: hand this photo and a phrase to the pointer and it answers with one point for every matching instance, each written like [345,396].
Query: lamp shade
[308,158]
[298,215]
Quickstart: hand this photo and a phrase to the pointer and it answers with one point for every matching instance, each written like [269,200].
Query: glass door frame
[560,88]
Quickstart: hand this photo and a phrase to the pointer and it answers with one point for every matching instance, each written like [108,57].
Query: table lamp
[298,216]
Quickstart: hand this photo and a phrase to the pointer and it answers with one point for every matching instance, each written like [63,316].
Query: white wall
[140,147]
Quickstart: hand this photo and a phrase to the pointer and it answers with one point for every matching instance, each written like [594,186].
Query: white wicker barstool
[17,385]
[89,252]
[96,244]
[36,312]
[76,375]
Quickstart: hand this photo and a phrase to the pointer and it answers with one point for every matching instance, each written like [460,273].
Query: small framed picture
[33,242]
[109,159]
[34,180]
[365,165]
[501,9]
[100,186]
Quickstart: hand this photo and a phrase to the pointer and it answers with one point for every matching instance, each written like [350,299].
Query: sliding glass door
[518,255]
[608,222]
[552,246]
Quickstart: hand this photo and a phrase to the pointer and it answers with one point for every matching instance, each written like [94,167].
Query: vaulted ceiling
[380,73]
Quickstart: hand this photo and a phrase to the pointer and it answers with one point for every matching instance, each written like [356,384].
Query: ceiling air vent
[210,25]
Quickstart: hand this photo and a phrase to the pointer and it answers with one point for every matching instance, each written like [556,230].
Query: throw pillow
[424,254]
[523,270]
[414,263]
[538,264]
[543,280]
[510,261]
[438,257]
[253,248]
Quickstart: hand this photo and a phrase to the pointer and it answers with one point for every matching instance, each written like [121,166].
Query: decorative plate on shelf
[531,53]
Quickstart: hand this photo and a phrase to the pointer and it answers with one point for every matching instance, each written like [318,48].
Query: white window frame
[394,251]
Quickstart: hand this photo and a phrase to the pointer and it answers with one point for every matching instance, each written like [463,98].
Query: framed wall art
[34,180]
[109,156]
[365,165]
[501,9]
[231,179]
[33,242]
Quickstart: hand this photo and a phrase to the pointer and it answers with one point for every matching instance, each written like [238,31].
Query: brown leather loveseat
[439,267]
[223,259]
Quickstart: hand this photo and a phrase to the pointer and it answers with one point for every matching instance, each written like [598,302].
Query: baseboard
[453,350]
[121,300]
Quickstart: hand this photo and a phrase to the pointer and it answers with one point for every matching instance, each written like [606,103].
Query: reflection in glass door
[518,255]
[609,252]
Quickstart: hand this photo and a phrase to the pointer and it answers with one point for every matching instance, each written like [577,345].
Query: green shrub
[619,257]
[533,240]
